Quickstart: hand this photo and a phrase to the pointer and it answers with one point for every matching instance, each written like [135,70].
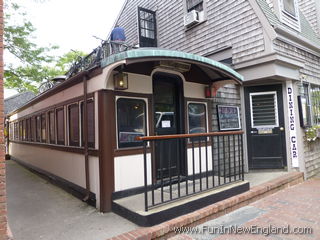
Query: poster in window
[228,117]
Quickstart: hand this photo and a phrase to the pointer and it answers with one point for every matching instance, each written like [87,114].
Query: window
[197,118]
[16,130]
[10,131]
[131,119]
[289,7]
[28,129]
[315,104]
[43,128]
[38,128]
[60,126]
[52,138]
[264,112]
[194,5]
[147,28]
[24,130]
[73,118]
[91,133]
[20,130]
[33,128]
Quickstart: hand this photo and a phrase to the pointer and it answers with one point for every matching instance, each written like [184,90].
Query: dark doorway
[265,127]
[168,118]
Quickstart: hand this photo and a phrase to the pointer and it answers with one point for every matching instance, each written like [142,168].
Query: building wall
[310,73]
[230,23]
[310,11]
[3,207]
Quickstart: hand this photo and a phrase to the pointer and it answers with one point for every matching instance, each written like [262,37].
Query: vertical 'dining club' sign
[292,126]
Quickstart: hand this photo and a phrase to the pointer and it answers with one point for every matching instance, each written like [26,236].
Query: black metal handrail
[212,160]
[106,49]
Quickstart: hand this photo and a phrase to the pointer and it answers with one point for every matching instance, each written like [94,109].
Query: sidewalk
[296,207]
[39,210]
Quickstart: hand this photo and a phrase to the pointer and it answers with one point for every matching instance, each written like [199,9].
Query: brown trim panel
[107,136]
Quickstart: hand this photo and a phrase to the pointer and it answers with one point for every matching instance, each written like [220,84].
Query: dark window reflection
[197,118]
[131,121]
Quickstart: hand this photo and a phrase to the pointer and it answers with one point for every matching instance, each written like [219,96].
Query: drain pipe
[85,136]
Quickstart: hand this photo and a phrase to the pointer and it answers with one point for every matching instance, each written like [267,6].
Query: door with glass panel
[265,127]
[168,120]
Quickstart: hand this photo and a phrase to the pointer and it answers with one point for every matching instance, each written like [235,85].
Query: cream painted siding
[230,23]
[308,8]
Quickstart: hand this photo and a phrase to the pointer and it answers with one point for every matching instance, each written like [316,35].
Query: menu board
[228,117]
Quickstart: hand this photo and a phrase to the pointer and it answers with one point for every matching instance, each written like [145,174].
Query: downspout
[85,137]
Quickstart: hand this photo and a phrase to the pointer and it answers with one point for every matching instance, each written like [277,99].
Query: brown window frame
[51,127]
[43,128]
[33,128]
[91,131]
[59,141]
[73,125]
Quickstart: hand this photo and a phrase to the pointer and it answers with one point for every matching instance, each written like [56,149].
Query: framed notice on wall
[228,117]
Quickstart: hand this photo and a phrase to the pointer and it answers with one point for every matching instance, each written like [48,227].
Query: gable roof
[306,29]
[16,101]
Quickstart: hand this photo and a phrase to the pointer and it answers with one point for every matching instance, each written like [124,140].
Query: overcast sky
[71,24]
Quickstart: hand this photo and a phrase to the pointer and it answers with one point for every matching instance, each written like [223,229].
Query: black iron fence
[106,49]
[177,166]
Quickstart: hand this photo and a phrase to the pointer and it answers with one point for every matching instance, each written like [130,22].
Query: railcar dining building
[152,126]
[95,132]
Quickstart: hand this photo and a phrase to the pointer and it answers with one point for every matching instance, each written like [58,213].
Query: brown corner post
[107,136]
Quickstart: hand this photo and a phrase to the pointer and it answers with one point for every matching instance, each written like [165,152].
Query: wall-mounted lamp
[120,81]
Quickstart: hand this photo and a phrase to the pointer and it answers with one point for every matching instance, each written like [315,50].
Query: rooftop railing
[106,49]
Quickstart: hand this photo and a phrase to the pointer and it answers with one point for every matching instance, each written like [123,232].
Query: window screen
[197,118]
[131,119]
[264,111]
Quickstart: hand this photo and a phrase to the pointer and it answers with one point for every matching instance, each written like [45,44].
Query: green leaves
[30,64]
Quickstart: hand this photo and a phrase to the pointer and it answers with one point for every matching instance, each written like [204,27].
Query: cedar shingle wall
[312,73]
[230,23]
[308,8]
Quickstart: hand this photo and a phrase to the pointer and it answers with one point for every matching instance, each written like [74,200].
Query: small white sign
[165,124]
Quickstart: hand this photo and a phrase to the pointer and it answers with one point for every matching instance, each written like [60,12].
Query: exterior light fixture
[120,81]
